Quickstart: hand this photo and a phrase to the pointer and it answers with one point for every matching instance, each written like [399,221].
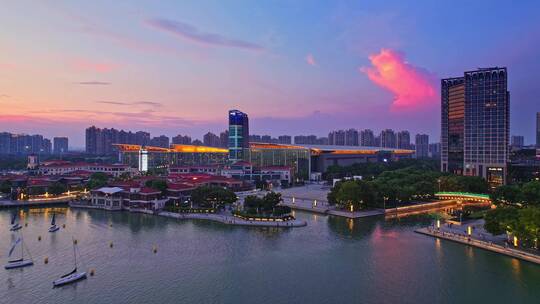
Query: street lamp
[439,181]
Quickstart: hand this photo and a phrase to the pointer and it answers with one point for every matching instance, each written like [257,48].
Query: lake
[331,260]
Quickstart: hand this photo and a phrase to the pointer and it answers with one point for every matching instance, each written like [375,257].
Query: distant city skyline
[295,70]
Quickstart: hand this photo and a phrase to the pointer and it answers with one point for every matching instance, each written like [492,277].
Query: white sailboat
[18,263]
[14,224]
[53,227]
[72,276]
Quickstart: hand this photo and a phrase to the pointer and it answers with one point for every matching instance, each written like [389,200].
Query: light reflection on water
[369,260]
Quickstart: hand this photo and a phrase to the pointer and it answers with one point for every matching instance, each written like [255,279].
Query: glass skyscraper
[238,135]
[475,124]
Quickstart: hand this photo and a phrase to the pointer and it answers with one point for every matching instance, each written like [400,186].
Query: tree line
[517,212]
[401,186]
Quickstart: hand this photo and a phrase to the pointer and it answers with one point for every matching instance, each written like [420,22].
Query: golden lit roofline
[174,149]
[258,145]
[197,149]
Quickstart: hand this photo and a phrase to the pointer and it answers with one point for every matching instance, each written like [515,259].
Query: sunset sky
[296,67]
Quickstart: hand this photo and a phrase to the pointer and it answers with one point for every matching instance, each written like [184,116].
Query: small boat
[72,276]
[53,227]
[19,263]
[14,224]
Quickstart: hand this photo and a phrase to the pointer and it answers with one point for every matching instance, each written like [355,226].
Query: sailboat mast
[74,254]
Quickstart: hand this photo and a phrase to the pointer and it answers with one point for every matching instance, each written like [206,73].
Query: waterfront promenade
[36,202]
[231,220]
[224,218]
[486,242]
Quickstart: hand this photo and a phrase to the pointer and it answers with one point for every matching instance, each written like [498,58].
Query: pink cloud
[89,66]
[413,87]
[310,59]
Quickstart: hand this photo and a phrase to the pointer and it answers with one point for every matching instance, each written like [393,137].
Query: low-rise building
[64,167]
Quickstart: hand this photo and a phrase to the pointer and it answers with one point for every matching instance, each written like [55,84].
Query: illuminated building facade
[145,158]
[238,135]
[290,162]
[298,158]
[475,124]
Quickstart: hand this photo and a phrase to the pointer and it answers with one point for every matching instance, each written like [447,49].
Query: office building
[224,139]
[100,141]
[421,144]
[181,140]
[367,138]
[517,141]
[310,140]
[60,145]
[403,140]
[160,141]
[211,140]
[336,138]
[388,139]
[435,150]
[238,134]
[352,138]
[285,139]
[475,124]
[24,144]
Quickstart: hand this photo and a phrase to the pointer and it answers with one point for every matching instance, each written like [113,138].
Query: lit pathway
[486,244]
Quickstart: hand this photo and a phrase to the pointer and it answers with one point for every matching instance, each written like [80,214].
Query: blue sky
[297,67]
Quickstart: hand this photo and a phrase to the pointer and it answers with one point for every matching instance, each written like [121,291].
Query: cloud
[93,83]
[191,33]
[412,87]
[311,60]
[90,66]
[136,103]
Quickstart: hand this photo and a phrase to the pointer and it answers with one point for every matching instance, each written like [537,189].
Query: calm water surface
[332,260]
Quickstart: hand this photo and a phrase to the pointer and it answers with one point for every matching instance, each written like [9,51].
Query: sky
[296,67]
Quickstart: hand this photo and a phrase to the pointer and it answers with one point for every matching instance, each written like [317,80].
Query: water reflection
[351,228]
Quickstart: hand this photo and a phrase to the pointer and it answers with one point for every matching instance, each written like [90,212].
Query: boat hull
[72,278]
[18,264]
[54,228]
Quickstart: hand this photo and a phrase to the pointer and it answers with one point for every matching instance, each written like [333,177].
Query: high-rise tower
[475,124]
[238,134]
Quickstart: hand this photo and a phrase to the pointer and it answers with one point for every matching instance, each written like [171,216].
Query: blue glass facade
[238,134]
[475,112]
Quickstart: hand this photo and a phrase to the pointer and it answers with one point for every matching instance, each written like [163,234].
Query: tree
[270,201]
[509,195]
[500,220]
[97,180]
[56,188]
[158,184]
[529,224]
[5,186]
[350,193]
[213,196]
[531,193]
